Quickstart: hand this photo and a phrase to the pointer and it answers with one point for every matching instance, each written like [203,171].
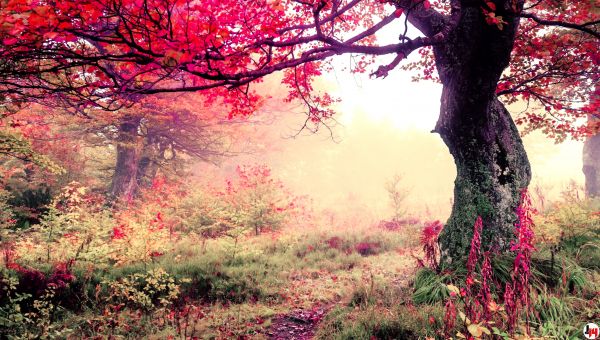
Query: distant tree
[164,132]
[121,150]
[159,133]
[591,149]
[397,195]
[109,52]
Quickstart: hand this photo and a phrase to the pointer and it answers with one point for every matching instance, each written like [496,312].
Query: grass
[429,287]
[364,276]
[236,289]
[383,312]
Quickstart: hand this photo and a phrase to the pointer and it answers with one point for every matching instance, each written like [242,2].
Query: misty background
[381,129]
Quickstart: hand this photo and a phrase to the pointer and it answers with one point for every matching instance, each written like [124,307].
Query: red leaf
[398,12]
[50,35]
[10,41]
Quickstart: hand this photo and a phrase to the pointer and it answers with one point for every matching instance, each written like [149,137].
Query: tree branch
[426,19]
[580,27]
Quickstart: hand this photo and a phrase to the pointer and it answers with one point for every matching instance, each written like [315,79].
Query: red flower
[156,254]
[429,237]
[118,232]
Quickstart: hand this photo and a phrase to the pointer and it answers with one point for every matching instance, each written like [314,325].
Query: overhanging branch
[585,27]
[426,19]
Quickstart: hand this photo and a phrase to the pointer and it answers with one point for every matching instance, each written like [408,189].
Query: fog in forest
[381,129]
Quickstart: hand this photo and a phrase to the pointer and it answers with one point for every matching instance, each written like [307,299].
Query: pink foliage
[475,246]
[449,317]
[429,240]
[366,248]
[334,242]
[61,276]
[477,292]
[517,294]
[472,303]
[34,282]
[118,232]
[485,295]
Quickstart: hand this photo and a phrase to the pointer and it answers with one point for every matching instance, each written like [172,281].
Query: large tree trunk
[129,149]
[492,166]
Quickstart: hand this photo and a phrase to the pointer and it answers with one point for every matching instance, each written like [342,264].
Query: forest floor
[320,273]
[352,280]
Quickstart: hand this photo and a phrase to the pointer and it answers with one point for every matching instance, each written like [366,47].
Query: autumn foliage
[95,50]
[104,231]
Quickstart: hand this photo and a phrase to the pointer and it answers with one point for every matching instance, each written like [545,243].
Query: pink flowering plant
[481,303]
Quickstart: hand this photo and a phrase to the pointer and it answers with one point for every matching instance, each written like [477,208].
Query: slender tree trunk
[591,155]
[591,165]
[129,148]
[492,166]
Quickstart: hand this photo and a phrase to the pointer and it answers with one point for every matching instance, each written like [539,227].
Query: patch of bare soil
[299,324]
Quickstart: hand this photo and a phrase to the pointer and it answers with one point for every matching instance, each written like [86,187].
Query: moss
[492,168]
[469,203]
[478,193]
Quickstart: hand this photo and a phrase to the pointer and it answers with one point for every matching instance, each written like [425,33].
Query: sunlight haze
[384,129]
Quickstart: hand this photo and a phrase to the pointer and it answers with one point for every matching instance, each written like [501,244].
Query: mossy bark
[492,169]
[492,165]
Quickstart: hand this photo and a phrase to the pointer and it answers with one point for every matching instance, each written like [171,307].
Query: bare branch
[580,27]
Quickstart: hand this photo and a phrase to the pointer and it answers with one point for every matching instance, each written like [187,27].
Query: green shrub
[554,316]
[551,308]
[28,204]
[156,288]
[13,320]
[588,255]
[570,227]
[23,317]
[429,287]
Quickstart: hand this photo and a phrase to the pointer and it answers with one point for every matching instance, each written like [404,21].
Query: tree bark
[491,162]
[129,149]
[591,165]
[591,152]
[146,171]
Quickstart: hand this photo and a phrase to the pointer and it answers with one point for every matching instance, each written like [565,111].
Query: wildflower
[429,240]
[516,293]
[118,232]
[449,317]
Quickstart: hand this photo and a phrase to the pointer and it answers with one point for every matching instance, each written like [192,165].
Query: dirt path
[299,324]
